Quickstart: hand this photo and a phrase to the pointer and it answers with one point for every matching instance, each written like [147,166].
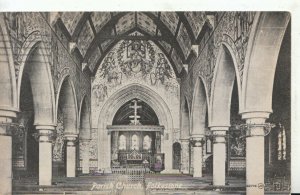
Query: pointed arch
[185,120]
[226,72]
[130,92]
[8,88]
[35,63]
[261,60]
[199,108]
[67,101]
[84,119]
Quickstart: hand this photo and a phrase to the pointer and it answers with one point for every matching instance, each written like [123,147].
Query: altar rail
[131,173]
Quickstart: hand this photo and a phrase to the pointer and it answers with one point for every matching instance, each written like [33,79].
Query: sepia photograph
[145,102]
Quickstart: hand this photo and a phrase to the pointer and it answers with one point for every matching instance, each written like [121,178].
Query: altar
[136,145]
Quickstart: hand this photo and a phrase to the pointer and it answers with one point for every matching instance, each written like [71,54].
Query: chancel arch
[109,110]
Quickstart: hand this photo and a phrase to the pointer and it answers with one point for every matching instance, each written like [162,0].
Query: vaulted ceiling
[97,32]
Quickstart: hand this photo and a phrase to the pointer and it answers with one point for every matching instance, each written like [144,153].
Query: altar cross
[135,117]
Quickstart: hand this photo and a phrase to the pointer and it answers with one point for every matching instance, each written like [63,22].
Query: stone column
[85,143]
[45,138]
[6,156]
[219,155]
[255,129]
[184,168]
[71,154]
[197,143]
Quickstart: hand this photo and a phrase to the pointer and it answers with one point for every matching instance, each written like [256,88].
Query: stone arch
[113,104]
[66,99]
[260,63]
[135,91]
[35,62]
[84,119]
[8,88]
[185,120]
[199,108]
[226,72]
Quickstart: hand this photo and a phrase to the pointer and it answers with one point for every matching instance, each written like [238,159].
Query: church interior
[145,103]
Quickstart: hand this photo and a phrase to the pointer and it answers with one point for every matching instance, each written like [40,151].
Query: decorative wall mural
[136,57]
[58,144]
[162,70]
[93,144]
[237,144]
[133,61]
[99,92]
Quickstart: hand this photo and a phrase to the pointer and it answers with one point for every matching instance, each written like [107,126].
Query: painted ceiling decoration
[99,19]
[184,41]
[71,19]
[173,32]
[170,19]
[85,38]
[196,21]
[125,23]
[146,23]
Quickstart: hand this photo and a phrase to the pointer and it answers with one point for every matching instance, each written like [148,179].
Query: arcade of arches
[200,95]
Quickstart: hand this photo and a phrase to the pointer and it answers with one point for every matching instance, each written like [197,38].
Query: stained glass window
[122,142]
[281,143]
[134,142]
[147,143]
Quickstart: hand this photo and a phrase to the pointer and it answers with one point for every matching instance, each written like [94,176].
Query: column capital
[256,129]
[255,114]
[197,141]
[44,135]
[219,136]
[185,140]
[71,139]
